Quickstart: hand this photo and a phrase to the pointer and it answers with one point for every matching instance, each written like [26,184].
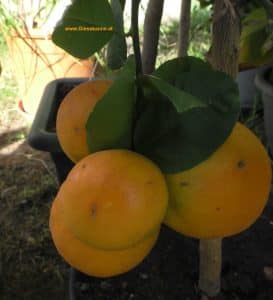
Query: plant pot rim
[262,82]
[39,137]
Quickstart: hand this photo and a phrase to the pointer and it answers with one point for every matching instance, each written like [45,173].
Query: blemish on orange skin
[241,164]
[93,210]
[183,183]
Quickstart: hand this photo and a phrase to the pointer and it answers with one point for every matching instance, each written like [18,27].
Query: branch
[151,34]
[135,35]
[184,28]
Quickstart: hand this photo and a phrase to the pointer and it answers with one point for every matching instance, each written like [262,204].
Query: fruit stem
[136,45]
[135,36]
[210,264]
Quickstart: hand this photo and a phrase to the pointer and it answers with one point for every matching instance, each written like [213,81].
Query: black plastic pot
[265,86]
[42,135]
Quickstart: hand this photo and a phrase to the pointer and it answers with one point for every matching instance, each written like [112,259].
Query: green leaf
[181,101]
[177,139]
[254,22]
[169,70]
[109,126]
[85,27]
[117,47]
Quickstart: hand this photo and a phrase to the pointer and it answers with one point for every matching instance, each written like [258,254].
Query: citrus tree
[153,146]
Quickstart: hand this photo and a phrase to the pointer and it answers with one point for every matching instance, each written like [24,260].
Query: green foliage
[157,87]
[200,35]
[18,16]
[117,47]
[177,139]
[8,21]
[200,32]
[85,27]
[256,44]
[110,124]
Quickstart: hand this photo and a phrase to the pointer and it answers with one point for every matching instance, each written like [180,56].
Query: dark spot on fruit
[76,129]
[218,208]
[241,164]
[93,210]
[83,166]
[184,183]
[149,182]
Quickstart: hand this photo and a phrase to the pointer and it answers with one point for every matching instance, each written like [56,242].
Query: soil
[30,268]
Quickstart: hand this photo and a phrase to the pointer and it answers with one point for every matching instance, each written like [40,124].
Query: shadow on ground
[30,267]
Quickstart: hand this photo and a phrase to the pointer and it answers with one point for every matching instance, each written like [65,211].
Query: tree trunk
[184,28]
[223,55]
[224,52]
[151,34]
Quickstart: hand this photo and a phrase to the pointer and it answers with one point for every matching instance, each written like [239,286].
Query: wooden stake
[223,55]
[210,264]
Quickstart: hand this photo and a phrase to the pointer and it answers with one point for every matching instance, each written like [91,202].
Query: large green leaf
[253,22]
[256,42]
[171,68]
[110,124]
[85,27]
[117,47]
[178,139]
[181,100]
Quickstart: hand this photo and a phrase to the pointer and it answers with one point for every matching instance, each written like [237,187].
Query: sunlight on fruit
[73,114]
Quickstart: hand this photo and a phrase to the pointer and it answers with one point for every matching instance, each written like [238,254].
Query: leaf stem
[135,35]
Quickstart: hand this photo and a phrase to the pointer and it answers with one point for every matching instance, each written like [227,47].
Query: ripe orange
[226,193]
[113,199]
[90,260]
[73,114]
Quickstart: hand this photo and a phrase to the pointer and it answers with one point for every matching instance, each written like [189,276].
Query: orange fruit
[72,116]
[113,199]
[90,260]
[224,194]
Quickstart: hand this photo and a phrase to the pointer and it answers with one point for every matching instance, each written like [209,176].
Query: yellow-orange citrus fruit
[224,194]
[90,260]
[72,116]
[113,199]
